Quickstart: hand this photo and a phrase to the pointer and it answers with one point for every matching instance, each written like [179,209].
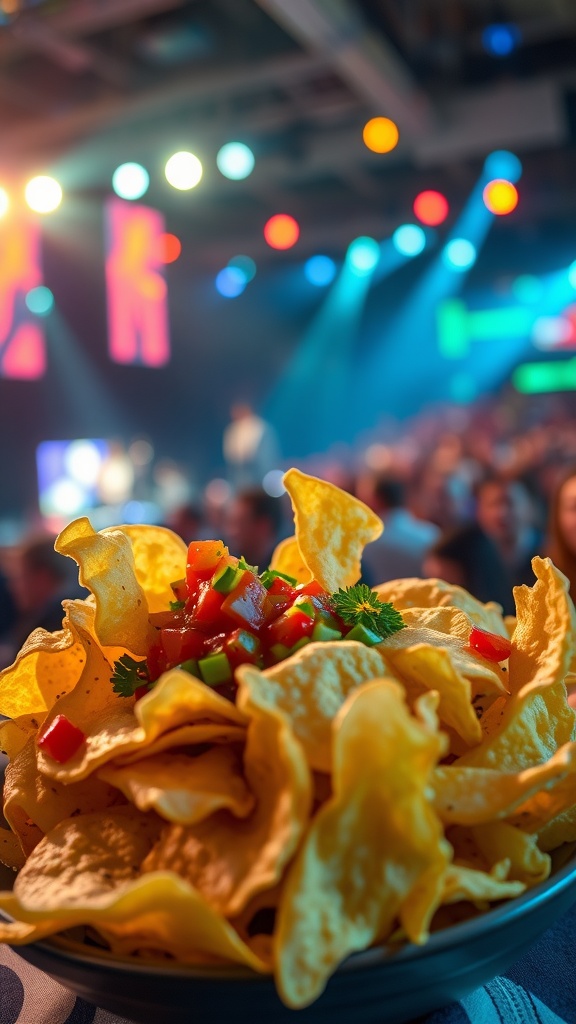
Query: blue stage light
[503,164]
[572,274]
[363,255]
[130,181]
[235,161]
[245,264]
[409,239]
[500,40]
[230,282]
[39,300]
[459,254]
[320,270]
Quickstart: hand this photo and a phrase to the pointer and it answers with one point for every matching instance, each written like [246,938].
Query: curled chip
[332,529]
[159,559]
[287,558]
[417,593]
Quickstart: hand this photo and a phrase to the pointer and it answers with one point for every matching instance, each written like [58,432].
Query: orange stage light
[500,196]
[431,207]
[281,231]
[170,248]
[380,134]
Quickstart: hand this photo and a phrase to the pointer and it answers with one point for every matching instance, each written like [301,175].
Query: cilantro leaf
[129,675]
[244,565]
[176,606]
[358,605]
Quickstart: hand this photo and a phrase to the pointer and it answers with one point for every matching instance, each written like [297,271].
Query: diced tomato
[208,608]
[61,739]
[181,644]
[248,603]
[242,647]
[203,557]
[288,628]
[280,587]
[141,691]
[179,589]
[156,661]
[313,589]
[215,643]
[490,645]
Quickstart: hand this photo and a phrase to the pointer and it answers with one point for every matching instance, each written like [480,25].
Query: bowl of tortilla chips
[369,824]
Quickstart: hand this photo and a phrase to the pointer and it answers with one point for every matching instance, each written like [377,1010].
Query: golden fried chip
[193,735]
[432,669]
[479,887]
[14,734]
[486,678]
[87,871]
[499,841]
[159,560]
[48,666]
[310,687]
[417,593]
[32,799]
[332,529]
[181,788]
[228,860]
[528,728]
[107,569]
[11,854]
[466,795]
[372,848]
[287,558]
[449,620]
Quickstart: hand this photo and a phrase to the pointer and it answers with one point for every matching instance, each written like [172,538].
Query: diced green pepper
[323,632]
[215,669]
[363,635]
[279,652]
[226,578]
[191,666]
[303,604]
[300,643]
[269,575]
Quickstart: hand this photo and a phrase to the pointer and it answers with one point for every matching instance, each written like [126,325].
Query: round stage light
[409,239]
[4,202]
[320,270]
[273,483]
[245,264]
[183,171]
[431,207]
[281,231]
[363,255]
[527,288]
[230,282]
[43,194]
[500,197]
[500,40]
[130,181]
[39,300]
[572,274]
[503,164]
[170,247]
[235,161]
[380,134]
[459,254]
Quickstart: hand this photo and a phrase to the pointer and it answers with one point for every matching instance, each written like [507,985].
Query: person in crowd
[250,446]
[502,512]
[186,521]
[39,579]
[252,525]
[400,549]
[468,558]
[562,528]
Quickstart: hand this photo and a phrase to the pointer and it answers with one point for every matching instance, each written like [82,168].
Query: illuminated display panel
[136,288]
[22,342]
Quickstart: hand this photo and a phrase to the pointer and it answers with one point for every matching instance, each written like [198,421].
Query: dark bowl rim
[57,948]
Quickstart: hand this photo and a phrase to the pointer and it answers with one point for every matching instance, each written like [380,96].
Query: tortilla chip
[159,560]
[310,687]
[370,848]
[417,593]
[332,529]
[11,854]
[107,569]
[287,558]
[500,841]
[485,677]
[479,887]
[184,789]
[227,860]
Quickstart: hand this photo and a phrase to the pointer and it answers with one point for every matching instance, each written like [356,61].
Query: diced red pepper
[61,739]
[490,645]
[208,610]
[242,647]
[248,603]
[288,628]
[181,644]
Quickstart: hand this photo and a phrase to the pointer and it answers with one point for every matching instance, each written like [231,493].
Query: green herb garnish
[358,605]
[176,606]
[243,564]
[129,675]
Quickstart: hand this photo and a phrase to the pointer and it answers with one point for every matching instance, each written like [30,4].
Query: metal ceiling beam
[365,61]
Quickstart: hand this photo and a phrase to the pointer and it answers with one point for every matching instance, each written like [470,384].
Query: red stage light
[500,196]
[170,248]
[281,231]
[431,207]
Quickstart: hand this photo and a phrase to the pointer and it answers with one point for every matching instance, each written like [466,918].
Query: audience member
[468,558]
[252,525]
[500,514]
[39,579]
[562,528]
[186,521]
[250,446]
[400,549]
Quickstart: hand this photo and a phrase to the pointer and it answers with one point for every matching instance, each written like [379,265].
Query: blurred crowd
[469,496]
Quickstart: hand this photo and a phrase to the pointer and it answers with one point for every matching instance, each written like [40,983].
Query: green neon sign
[458,327]
[539,378]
